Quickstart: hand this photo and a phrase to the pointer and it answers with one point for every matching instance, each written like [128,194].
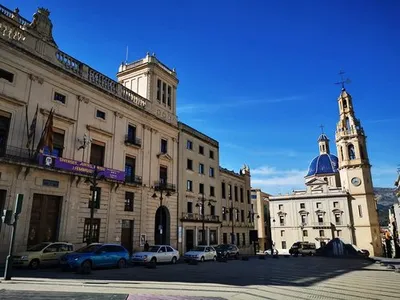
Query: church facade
[338,200]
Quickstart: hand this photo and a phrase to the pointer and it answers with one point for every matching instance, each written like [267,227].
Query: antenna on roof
[126,59]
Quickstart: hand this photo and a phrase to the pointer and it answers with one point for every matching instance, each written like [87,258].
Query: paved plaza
[283,278]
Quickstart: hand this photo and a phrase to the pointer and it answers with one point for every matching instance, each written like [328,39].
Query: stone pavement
[285,278]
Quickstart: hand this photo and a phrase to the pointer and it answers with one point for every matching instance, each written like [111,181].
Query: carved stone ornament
[82,98]
[32,77]
[118,114]
[42,25]
[12,32]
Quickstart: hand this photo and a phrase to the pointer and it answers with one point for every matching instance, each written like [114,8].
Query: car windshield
[88,249]
[154,249]
[38,247]
[201,249]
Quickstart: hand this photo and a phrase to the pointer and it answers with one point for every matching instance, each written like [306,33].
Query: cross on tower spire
[322,128]
[343,81]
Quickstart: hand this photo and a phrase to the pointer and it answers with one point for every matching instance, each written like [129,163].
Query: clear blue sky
[255,75]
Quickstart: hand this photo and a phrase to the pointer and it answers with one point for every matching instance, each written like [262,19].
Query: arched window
[341,153]
[352,154]
[344,103]
[347,123]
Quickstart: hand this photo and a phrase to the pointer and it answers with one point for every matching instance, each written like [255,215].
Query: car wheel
[153,260]
[214,258]
[34,264]
[237,256]
[173,261]
[202,259]
[86,267]
[121,263]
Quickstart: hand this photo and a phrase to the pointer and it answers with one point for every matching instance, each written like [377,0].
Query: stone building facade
[261,218]
[339,199]
[130,135]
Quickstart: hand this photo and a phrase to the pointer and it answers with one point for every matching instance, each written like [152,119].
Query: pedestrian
[146,246]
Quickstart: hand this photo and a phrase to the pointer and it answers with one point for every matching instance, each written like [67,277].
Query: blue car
[95,256]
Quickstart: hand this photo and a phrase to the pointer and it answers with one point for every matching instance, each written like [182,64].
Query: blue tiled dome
[323,164]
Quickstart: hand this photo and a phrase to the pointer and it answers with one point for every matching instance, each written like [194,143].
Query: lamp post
[161,187]
[93,181]
[251,219]
[201,202]
[230,210]
[272,238]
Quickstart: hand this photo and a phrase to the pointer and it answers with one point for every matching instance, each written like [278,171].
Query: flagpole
[34,132]
[44,129]
[27,126]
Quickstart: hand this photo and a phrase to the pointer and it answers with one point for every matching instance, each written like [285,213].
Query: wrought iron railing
[133,179]
[133,140]
[18,154]
[165,186]
[199,217]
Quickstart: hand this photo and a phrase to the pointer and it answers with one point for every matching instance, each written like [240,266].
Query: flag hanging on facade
[46,139]
[32,128]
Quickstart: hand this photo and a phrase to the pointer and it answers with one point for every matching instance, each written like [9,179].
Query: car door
[162,254]
[49,255]
[101,258]
[207,253]
[170,253]
[213,252]
[61,250]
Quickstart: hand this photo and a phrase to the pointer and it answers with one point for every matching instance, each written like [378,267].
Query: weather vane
[322,128]
[343,81]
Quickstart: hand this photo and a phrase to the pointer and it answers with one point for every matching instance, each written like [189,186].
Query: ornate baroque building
[339,199]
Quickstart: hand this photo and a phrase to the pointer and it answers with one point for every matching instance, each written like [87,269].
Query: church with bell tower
[338,201]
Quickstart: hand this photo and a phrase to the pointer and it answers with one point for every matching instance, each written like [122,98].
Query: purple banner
[79,167]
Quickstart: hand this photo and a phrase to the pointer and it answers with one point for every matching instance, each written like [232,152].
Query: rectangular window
[201,150]
[100,114]
[212,191]
[305,233]
[338,219]
[303,219]
[189,145]
[243,239]
[213,237]
[319,205]
[211,172]
[5,126]
[211,154]
[283,244]
[223,191]
[335,204]
[248,197]
[97,197]
[60,98]
[302,205]
[236,193]
[241,195]
[201,188]
[280,206]
[95,230]
[212,210]
[131,137]
[224,211]
[169,96]
[163,174]
[282,220]
[201,168]
[242,215]
[164,146]
[282,233]
[164,91]
[58,142]
[97,154]
[190,207]
[320,220]
[237,238]
[129,201]
[8,76]
[189,164]
[130,169]
[158,89]
[230,191]
[189,186]
[321,233]
[225,238]
[360,213]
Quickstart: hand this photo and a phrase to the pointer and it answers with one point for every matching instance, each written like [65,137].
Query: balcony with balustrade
[195,217]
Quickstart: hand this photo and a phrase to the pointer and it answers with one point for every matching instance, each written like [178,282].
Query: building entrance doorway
[45,219]
[127,235]
[189,238]
[162,226]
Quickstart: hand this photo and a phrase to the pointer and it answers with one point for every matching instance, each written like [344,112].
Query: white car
[201,253]
[268,252]
[157,254]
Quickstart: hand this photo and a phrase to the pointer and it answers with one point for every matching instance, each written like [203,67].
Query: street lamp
[251,220]
[201,202]
[162,187]
[230,210]
[93,181]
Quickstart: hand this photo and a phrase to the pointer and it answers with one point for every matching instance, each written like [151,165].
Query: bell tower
[355,175]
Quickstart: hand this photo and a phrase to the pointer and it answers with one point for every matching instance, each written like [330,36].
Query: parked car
[156,254]
[303,248]
[95,255]
[268,252]
[42,254]
[228,250]
[201,253]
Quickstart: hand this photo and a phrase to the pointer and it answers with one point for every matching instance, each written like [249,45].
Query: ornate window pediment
[164,156]
[303,212]
[337,211]
[281,213]
[320,212]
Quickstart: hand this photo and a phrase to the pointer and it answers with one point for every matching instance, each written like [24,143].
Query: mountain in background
[386,197]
